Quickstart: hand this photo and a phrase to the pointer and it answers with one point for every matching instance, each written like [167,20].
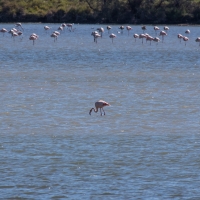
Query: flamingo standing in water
[180,37]
[144,28]
[156,28]
[128,28]
[135,36]
[185,39]
[3,30]
[46,28]
[101,30]
[112,35]
[198,40]
[142,36]
[108,28]
[166,28]
[19,25]
[163,33]
[187,31]
[99,105]
[121,28]
[33,37]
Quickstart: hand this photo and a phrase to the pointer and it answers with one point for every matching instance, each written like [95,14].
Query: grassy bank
[101,11]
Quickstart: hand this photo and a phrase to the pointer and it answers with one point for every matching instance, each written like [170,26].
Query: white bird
[135,36]
[108,28]
[112,35]
[3,30]
[128,28]
[19,25]
[198,40]
[180,37]
[185,39]
[99,105]
[33,37]
[163,33]
[156,28]
[187,31]
[101,30]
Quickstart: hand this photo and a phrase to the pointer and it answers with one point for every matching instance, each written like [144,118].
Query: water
[147,146]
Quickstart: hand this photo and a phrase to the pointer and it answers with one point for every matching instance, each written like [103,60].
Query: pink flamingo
[156,28]
[46,28]
[60,28]
[156,39]
[142,36]
[128,28]
[70,27]
[33,37]
[112,35]
[101,30]
[185,39]
[99,105]
[198,40]
[166,28]
[93,34]
[121,28]
[163,33]
[144,28]
[187,31]
[108,28]
[180,37]
[135,36]
[55,36]
[19,25]
[3,30]
[149,38]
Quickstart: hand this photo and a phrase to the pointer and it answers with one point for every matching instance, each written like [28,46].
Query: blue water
[147,146]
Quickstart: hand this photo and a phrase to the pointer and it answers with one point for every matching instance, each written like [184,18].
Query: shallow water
[145,147]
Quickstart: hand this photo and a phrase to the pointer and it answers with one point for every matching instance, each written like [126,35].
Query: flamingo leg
[104,111]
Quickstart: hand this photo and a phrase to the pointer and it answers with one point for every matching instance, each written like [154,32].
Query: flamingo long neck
[95,110]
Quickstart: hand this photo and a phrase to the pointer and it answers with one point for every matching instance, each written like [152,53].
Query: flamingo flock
[18,30]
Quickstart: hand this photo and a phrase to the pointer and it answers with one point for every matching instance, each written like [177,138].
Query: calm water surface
[147,146]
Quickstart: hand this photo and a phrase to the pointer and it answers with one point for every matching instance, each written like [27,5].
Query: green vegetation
[101,11]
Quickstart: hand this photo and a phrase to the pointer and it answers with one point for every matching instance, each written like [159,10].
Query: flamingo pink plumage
[99,105]
[112,35]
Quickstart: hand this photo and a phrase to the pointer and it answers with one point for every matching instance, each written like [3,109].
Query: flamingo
[156,39]
[144,28]
[108,28]
[55,36]
[60,28]
[101,30]
[185,39]
[93,34]
[198,40]
[97,35]
[156,28]
[99,105]
[33,37]
[149,38]
[163,33]
[3,30]
[142,36]
[135,36]
[121,28]
[70,27]
[187,31]
[166,28]
[128,28]
[112,35]
[19,25]
[46,28]
[180,37]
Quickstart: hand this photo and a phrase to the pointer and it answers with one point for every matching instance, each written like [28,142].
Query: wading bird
[112,36]
[99,105]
